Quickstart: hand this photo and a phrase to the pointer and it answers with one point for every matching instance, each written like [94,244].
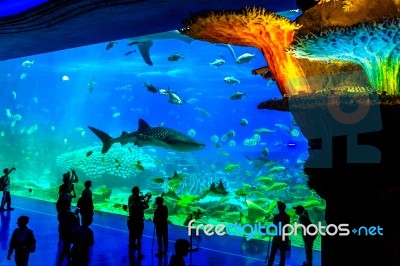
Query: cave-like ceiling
[45,26]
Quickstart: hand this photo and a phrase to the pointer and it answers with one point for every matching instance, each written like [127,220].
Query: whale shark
[144,43]
[150,136]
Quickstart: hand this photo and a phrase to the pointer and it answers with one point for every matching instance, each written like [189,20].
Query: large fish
[150,136]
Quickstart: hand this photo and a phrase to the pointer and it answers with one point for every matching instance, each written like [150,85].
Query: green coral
[374,46]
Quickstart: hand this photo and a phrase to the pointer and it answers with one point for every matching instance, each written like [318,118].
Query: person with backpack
[22,241]
[305,220]
[5,185]
[160,220]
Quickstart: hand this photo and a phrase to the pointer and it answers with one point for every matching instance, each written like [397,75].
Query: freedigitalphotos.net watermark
[253,230]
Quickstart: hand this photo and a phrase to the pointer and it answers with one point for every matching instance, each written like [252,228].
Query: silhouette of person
[160,220]
[6,199]
[135,193]
[22,241]
[181,250]
[281,218]
[85,204]
[305,220]
[135,220]
[68,221]
[83,239]
[66,191]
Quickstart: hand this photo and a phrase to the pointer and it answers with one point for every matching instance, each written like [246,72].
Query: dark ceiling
[62,24]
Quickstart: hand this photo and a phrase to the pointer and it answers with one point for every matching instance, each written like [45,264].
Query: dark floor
[111,240]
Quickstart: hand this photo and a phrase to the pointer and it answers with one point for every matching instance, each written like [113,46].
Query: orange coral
[256,27]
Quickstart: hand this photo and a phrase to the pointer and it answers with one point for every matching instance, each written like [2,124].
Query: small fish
[150,87]
[175,57]
[92,84]
[111,45]
[65,78]
[28,63]
[174,98]
[231,80]
[217,63]
[14,95]
[23,76]
[231,167]
[139,166]
[244,122]
[265,151]
[89,153]
[129,52]
[238,95]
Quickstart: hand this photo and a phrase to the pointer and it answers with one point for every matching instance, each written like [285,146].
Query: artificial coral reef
[374,46]
[255,27]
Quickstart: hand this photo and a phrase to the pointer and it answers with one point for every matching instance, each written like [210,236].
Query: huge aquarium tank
[177,118]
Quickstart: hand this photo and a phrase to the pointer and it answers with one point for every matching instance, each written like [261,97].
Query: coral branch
[256,27]
[374,46]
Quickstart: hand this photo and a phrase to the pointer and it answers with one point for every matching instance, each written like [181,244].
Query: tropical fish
[231,167]
[174,98]
[231,80]
[241,192]
[111,45]
[238,95]
[150,136]
[217,63]
[89,153]
[138,165]
[245,58]
[175,57]
[150,87]
[244,122]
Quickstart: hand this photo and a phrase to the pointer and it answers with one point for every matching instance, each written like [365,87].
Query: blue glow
[12,7]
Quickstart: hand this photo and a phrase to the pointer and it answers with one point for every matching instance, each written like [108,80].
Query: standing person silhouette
[160,220]
[305,220]
[85,204]
[22,241]
[280,219]
[6,189]
[135,221]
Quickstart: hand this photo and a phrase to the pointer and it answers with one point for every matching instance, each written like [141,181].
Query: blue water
[43,98]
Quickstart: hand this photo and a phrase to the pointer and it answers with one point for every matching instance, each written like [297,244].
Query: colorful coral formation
[374,46]
[256,27]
